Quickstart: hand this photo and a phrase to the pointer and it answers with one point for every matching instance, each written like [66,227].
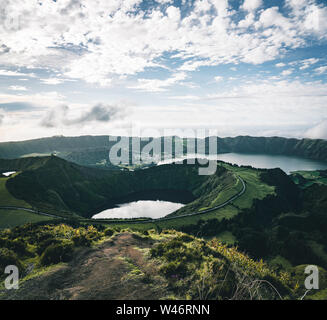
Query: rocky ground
[116,269]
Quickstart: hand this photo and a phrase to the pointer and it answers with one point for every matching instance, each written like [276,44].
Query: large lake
[286,163]
[140,209]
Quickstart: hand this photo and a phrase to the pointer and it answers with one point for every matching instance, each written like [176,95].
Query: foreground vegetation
[180,266]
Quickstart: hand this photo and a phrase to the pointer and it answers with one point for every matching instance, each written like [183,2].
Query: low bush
[9,257]
[109,232]
[55,253]
[42,246]
[174,270]
[81,240]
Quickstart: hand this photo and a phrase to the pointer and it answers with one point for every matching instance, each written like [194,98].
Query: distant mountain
[308,148]
[93,150]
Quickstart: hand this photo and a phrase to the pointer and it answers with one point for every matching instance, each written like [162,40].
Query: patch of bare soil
[115,269]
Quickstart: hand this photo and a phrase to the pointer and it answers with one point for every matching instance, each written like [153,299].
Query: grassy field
[311,177]
[227,237]
[226,193]
[255,188]
[13,218]
[6,199]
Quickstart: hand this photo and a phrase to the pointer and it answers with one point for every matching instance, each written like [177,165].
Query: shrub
[157,251]
[185,238]
[81,240]
[45,244]
[109,232]
[174,270]
[19,246]
[8,257]
[55,253]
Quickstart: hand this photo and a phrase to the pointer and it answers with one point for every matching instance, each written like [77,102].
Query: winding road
[29,210]
[142,221]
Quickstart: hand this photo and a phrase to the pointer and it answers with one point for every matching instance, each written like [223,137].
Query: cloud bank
[98,41]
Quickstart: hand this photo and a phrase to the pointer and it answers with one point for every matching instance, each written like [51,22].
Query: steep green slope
[7,198]
[22,164]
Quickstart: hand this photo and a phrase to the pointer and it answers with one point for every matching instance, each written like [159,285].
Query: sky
[98,67]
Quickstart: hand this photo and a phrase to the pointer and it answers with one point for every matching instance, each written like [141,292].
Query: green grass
[7,199]
[255,188]
[280,261]
[227,237]
[228,192]
[311,177]
[319,250]
[13,218]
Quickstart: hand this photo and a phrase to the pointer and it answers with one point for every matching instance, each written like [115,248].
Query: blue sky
[77,67]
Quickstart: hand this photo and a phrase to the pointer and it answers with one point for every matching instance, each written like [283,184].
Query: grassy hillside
[13,218]
[307,178]
[151,265]
[6,198]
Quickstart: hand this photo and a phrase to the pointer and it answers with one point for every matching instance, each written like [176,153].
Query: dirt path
[102,272]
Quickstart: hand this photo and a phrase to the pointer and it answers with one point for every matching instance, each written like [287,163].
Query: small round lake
[140,209]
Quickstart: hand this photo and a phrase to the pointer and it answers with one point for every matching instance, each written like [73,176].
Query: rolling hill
[93,150]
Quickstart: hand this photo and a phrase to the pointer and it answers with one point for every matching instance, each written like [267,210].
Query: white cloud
[218,78]
[287,72]
[308,62]
[18,88]
[10,73]
[188,97]
[252,5]
[52,81]
[321,70]
[100,41]
[280,65]
[158,85]
[272,17]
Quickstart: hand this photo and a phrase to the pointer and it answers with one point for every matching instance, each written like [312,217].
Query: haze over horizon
[95,67]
